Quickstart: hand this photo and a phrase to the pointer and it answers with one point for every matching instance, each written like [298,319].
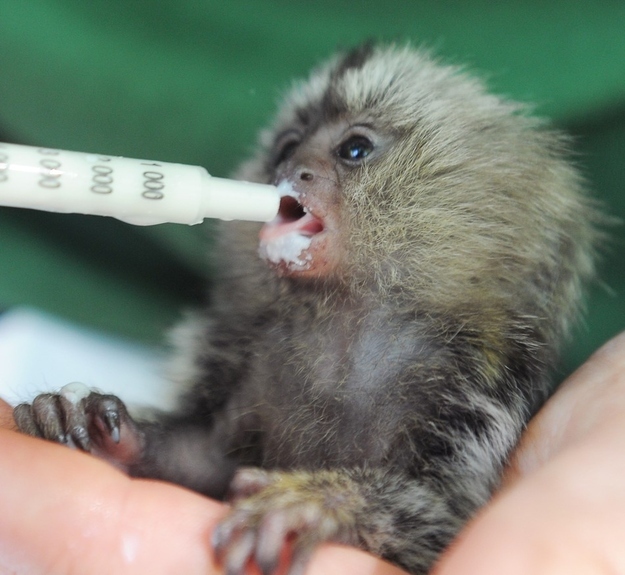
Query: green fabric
[192,81]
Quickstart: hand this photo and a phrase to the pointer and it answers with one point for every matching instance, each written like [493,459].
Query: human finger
[591,398]
[562,506]
[63,512]
[565,518]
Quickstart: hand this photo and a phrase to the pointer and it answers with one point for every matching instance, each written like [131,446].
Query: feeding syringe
[141,192]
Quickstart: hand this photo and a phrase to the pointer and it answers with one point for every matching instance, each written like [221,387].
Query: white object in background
[140,192]
[40,353]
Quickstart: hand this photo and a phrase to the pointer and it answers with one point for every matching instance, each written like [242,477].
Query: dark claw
[106,411]
[80,436]
[75,421]
[90,421]
[239,553]
[271,537]
[111,420]
[221,537]
[115,433]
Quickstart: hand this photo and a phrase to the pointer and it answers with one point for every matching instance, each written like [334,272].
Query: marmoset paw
[277,511]
[77,416]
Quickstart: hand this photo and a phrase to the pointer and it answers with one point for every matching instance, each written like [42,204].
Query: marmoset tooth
[365,378]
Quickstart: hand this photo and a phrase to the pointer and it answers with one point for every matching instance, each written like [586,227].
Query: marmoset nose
[296,174]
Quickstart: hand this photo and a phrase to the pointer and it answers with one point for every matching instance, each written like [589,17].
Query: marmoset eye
[355,148]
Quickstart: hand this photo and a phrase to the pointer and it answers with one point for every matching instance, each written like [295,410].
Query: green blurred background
[192,81]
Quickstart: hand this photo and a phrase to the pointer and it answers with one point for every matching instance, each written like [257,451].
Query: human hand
[63,512]
[561,510]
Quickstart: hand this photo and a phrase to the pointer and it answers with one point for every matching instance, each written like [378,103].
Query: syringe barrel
[141,192]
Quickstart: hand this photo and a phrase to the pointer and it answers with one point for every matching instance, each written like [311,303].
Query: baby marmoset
[364,380]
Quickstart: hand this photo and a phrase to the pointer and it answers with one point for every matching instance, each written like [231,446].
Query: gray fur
[386,394]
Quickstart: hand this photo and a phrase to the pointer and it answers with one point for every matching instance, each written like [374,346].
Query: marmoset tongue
[292,217]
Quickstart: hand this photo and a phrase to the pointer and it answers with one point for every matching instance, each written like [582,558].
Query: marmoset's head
[404,176]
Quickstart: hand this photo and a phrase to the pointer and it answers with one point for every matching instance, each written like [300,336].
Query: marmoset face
[311,165]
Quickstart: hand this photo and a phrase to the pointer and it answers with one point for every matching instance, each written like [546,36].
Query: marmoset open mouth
[290,209]
[289,240]
[292,217]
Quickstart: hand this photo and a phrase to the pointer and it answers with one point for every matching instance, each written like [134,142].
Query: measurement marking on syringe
[153,185]
[102,178]
[50,176]
[4,166]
